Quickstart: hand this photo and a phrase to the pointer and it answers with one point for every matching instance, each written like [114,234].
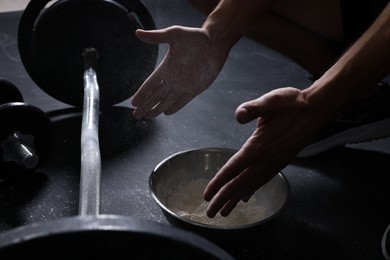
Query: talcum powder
[187,201]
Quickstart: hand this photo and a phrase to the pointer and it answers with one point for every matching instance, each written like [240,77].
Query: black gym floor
[339,204]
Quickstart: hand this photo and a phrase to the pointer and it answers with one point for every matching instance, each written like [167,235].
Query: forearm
[361,67]
[231,18]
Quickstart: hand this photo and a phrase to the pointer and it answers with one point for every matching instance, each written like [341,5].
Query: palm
[190,66]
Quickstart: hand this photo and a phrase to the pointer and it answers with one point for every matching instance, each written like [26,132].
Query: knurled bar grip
[89,203]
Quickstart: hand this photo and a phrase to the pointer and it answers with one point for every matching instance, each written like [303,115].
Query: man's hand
[284,126]
[190,66]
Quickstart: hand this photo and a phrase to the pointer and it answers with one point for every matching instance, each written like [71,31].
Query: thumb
[275,101]
[249,111]
[153,36]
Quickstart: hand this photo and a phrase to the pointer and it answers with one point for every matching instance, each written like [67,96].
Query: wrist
[221,37]
[223,26]
[327,99]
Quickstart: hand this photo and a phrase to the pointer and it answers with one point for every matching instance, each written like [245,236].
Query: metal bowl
[177,184]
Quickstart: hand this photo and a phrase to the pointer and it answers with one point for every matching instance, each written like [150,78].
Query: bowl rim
[166,210]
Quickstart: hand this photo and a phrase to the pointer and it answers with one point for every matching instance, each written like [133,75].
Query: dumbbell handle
[90,151]
[20,151]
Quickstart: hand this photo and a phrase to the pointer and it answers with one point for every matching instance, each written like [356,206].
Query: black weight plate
[28,120]
[66,28]
[9,92]
[106,237]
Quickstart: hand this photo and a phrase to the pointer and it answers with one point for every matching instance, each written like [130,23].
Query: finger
[241,188]
[178,104]
[231,194]
[224,195]
[150,102]
[270,103]
[159,108]
[250,110]
[155,36]
[144,110]
[232,168]
[230,205]
[151,85]
[247,197]
[155,112]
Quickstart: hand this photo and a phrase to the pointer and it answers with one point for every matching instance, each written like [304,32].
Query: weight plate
[9,92]
[61,33]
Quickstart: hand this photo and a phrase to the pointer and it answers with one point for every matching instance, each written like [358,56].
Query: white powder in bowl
[187,201]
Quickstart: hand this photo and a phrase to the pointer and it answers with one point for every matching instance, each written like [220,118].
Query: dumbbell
[85,54]
[25,132]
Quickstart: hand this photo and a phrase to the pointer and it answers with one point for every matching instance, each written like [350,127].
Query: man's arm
[361,67]
[289,117]
[230,20]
